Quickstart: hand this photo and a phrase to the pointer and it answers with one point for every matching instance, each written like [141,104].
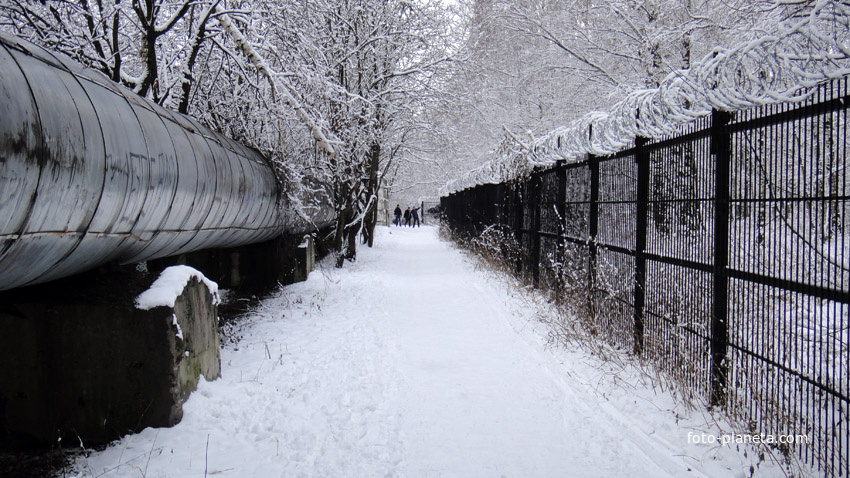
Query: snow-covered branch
[279,84]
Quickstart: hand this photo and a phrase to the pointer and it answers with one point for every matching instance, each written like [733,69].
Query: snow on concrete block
[170,284]
[309,246]
[188,302]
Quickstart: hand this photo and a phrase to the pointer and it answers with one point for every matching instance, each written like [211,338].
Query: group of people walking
[408,215]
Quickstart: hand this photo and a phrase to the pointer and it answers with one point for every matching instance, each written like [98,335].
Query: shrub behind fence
[719,254]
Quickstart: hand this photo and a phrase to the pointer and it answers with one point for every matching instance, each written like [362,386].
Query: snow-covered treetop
[806,49]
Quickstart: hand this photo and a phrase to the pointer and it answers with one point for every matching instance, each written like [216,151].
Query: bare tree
[364,64]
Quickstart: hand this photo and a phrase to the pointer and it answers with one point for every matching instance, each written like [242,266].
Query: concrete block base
[79,360]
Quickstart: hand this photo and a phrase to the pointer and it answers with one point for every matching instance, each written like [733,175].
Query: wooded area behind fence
[719,254]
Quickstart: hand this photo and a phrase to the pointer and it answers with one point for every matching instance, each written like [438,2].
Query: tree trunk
[342,218]
[351,249]
[371,216]
[200,36]
[347,224]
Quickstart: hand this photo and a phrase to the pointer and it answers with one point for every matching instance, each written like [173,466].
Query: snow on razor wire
[781,68]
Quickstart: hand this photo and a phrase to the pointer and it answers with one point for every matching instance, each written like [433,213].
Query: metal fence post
[516,190]
[642,158]
[498,214]
[468,211]
[560,207]
[720,145]
[535,228]
[495,199]
[593,230]
[447,204]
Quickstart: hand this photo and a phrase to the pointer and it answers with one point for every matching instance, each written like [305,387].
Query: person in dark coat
[397,214]
[407,217]
[414,215]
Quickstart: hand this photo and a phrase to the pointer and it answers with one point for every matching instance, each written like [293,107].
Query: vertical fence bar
[500,204]
[560,207]
[720,146]
[593,230]
[517,225]
[535,228]
[642,206]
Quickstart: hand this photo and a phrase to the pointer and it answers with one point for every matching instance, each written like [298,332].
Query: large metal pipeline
[90,173]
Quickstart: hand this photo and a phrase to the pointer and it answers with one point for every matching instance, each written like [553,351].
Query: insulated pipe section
[90,173]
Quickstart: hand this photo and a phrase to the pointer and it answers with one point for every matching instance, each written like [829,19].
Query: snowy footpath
[413,363]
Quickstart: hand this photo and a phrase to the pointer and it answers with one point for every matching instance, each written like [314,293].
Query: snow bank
[170,284]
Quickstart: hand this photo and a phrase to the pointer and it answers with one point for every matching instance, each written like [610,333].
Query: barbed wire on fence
[781,68]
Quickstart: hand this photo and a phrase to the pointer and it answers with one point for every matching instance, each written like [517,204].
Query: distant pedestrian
[397,214]
[414,214]
[407,217]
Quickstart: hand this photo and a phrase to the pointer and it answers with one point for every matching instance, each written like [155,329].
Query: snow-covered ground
[412,363]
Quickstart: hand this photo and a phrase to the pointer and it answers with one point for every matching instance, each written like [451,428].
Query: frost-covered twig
[279,84]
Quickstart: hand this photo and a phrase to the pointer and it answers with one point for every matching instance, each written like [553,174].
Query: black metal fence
[430,212]
[720,254]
